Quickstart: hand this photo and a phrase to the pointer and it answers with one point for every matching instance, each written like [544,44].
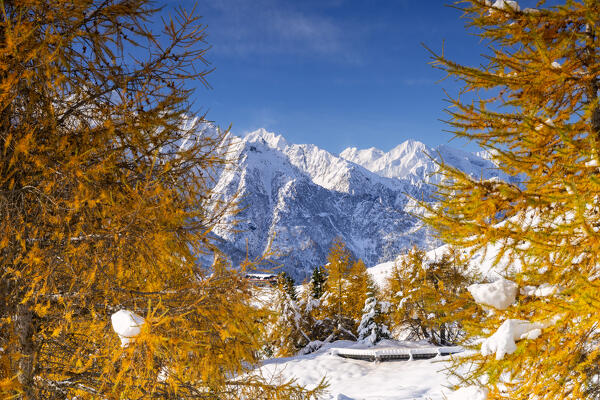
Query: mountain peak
[270,138]
[412,160]
[406,159]
[409,144]
[410,147]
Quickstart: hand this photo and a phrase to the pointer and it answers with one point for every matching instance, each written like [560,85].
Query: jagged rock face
[302,197]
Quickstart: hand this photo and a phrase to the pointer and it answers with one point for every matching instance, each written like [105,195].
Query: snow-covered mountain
[413,160]
[302,197]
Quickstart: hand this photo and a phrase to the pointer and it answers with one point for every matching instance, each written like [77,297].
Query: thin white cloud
[273,27]
[418,81]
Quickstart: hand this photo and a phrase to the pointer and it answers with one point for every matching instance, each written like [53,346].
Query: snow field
[350,379]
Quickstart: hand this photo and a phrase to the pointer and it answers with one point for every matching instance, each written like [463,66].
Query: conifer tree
[317,282]
[428,299]
[289,332]
[534,106]
[339,265]
[319,325]
[286,281]
[358,287]
[106,202]
[372,327]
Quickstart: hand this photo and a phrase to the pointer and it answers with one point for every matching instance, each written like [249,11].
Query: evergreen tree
[106,202]
[286,281]
[372,326]
[534,106]
[319,325]
[289,332]
[317,282]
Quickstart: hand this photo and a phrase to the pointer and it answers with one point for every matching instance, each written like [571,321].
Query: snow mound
[127,325]
[502,342]
[469,393]
[499,294]
[380,273]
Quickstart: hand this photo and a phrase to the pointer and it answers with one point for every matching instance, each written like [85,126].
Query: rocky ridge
[301,197]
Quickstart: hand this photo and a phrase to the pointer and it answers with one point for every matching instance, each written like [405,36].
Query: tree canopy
[106,203]
[533,104]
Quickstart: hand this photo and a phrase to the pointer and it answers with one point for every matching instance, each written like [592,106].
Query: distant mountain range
[302,197]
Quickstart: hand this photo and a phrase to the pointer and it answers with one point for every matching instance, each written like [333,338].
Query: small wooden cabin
[261,279]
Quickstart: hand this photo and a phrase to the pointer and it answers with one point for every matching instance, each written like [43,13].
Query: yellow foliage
[358,284]
[534,105]
[102,209]
[428,299]
[345,289]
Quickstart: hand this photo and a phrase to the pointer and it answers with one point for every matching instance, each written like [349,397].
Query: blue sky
[336,73]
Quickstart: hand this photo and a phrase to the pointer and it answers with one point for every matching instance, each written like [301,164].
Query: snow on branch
[127,325]
[499,294]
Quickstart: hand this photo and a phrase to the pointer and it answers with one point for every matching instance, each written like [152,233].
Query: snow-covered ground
[351,379]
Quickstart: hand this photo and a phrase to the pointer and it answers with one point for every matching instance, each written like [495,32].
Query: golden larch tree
[428,298]
[106,204]
[345,289]
[339,264]
[358,287]
[534,106]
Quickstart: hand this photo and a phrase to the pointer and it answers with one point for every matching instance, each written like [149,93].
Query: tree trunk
[443,340]
[339,316]
[424,330]
[592,89]
[596,122]
[25,365]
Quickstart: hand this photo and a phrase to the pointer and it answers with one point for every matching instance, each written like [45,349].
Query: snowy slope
[303,197]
